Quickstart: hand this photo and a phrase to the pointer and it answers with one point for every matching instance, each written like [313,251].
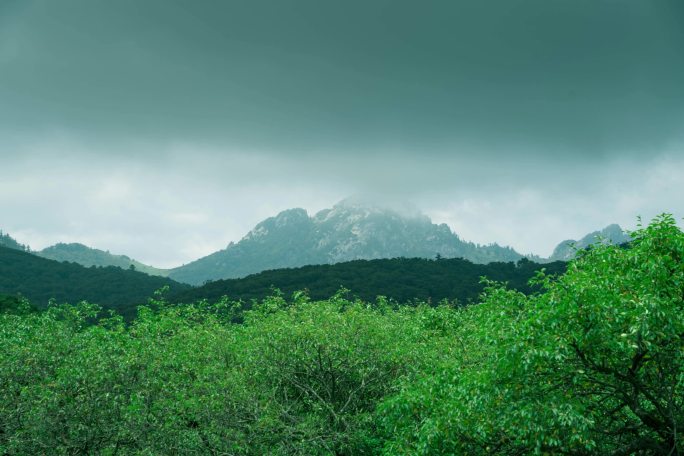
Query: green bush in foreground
[303,379]
[591,365]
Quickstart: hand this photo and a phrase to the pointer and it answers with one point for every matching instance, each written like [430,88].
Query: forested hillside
[9,242]
[40,280]
[591,365]
[87,256]
[401,279]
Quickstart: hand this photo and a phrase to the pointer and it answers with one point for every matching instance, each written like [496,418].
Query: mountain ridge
[348,231]
[566,250]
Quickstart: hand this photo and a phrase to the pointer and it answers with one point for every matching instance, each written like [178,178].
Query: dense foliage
[40,280]
[180,380]
[400,279]
[592,364]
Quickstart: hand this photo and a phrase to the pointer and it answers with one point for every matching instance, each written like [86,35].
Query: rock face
[567,250]
[350,230]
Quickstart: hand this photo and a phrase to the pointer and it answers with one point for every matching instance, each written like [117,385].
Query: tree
[593,365]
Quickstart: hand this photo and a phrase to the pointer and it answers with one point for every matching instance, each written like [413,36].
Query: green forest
[41,280]
[403,280]
[590,361]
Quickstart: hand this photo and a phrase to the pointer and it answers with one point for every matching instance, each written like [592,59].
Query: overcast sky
[165,129]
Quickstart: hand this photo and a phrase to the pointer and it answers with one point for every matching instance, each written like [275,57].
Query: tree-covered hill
[88,256]
[40,280]
[402,279]
[8,241]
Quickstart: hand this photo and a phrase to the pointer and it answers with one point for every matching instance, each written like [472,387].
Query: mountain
[402,279]
[40,279]
[566,250]
[7,241]
[350,230]
[87,256]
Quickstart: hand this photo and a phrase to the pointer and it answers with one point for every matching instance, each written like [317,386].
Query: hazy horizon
[312,213]
[164,130]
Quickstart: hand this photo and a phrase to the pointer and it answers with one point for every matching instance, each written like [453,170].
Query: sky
[165,129]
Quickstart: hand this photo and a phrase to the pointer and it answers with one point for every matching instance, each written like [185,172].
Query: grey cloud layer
[589,76]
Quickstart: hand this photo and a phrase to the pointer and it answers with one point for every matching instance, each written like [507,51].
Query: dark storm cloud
[535,77]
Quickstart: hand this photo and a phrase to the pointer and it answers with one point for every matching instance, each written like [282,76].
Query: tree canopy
[593,365]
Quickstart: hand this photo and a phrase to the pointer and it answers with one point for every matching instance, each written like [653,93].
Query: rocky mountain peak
[567,249]
[285,220]
[352,229]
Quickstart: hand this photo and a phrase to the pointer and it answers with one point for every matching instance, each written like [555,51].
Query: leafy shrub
[593,365]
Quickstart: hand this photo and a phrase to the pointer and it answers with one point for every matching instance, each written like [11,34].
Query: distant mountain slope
[403,279]
[566,250]
[7,241]
[40,279]
[348,231]
[87,256]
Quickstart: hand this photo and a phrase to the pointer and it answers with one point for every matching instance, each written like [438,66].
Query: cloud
[305,79]
[535,216]
[165,210]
